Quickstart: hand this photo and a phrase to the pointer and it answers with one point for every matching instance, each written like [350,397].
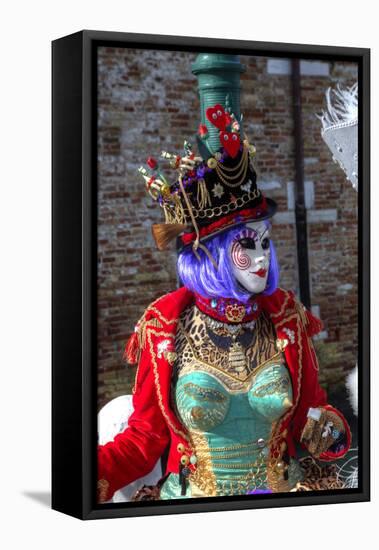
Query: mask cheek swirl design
[240,258]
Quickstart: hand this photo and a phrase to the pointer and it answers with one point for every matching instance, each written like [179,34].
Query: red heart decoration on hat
[231,143]
[228,119]
[216,116]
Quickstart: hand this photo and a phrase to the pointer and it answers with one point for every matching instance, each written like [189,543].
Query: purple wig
[201,276]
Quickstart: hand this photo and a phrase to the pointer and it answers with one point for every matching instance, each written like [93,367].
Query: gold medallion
[235,312]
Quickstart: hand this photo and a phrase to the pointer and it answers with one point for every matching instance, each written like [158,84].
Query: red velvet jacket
[153,424]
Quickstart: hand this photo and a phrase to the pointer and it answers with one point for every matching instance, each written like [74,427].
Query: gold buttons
[184,460]
[252,150]
[180,448]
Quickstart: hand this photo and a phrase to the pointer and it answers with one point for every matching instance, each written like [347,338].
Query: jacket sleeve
[133,453]
[312,395]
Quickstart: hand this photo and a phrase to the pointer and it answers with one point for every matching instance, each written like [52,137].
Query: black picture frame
[74,152]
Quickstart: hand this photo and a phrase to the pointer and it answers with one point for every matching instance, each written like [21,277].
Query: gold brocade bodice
[230,385]
[197,351]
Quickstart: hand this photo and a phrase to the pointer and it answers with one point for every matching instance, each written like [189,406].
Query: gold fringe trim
[180,216]
[142,330]
[301,311]
[169,213]
[203,197]
[174,210]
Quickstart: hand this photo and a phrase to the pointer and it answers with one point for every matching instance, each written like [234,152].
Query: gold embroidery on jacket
[300,373]
[283,306]
[156,378]
[162,317]
[141,330]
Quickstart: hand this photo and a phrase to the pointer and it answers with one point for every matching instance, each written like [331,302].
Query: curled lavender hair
[201,276]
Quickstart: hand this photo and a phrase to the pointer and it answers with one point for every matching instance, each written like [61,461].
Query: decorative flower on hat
[218,190]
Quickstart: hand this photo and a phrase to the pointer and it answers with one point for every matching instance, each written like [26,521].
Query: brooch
[235,313]
[166,348]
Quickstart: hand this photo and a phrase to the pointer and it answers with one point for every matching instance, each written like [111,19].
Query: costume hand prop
[188,163]
[322,430]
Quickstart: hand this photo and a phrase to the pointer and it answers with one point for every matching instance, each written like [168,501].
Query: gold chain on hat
[240,175]
[233,168]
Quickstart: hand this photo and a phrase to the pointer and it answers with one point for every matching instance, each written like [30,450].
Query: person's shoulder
[168,307]
[283,305]
[279,303]
[160,315]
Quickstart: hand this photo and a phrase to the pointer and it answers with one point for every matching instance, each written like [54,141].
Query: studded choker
[229,310]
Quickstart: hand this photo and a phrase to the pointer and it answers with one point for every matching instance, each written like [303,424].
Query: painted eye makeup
[265,243]
[247,242]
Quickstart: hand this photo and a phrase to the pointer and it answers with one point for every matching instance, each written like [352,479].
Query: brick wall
[147,102]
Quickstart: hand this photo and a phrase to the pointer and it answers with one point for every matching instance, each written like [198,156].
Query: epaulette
[137,340]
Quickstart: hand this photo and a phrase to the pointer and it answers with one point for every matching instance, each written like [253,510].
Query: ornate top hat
[217,188]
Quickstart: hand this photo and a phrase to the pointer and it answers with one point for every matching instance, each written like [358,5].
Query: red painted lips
[260,272]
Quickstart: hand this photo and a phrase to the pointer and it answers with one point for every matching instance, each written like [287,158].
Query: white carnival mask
[250,256]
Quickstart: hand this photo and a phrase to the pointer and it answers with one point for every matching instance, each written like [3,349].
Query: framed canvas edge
[67,128]
[194,43]
[86,493]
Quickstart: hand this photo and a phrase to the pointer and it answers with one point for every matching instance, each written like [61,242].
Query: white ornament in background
[112,420]
[340,133]
[340,129]
[348,471]
[352,388]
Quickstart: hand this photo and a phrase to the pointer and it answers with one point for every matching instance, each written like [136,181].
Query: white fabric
[112,420]
[352,388]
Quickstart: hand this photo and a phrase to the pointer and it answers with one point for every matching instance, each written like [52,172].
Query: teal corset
[205,405]
[230,398]
[230,431]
